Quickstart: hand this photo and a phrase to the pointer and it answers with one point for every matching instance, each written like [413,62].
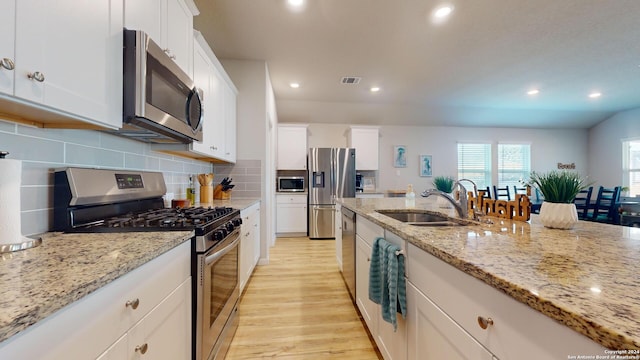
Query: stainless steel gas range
[99,200]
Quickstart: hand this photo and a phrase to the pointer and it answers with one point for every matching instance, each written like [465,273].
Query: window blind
[514,164]
[474,163]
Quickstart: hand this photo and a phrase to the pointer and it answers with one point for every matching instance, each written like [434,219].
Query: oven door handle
[218,254]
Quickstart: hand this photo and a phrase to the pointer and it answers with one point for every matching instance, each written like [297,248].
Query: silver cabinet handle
[213,147]
[37,76]
[7,64]
[484,322]
[142,349]
[132,303]
[168,52]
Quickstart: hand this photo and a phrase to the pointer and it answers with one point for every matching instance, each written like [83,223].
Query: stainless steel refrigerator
[332,174]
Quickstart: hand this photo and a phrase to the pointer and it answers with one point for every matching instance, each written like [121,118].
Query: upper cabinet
[292,147]
[169,23]
[219,103]
[365,140]
[61,62]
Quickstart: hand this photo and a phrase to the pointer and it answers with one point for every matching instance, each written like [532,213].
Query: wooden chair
[501,193]
[583,203]
[519,190]
[604,208]
[487,193]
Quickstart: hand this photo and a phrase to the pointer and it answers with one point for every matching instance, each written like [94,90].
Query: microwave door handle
[220,253]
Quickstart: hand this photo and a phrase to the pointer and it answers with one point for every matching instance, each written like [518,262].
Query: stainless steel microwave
[161,103]
[291,184]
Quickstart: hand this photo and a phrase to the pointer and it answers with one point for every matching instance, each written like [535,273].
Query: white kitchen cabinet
[518,331]
[338,233]
[7,46]
[392,344]
[169,23]
[365,140]
[291,214]
[292,147]
[219,109]
[249,243]
[151,303]
[433,335]
[68,61]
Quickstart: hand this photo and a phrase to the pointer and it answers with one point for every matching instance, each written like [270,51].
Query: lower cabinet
[249,242]
[291,214]
[150,305]
[392,344]
[432,335]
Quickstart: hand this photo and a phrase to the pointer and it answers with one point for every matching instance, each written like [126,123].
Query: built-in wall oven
[101,200]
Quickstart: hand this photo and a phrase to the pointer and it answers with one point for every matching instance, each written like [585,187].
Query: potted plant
[444,184]
[559,189]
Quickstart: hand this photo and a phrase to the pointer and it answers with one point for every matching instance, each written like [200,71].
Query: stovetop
[200,219]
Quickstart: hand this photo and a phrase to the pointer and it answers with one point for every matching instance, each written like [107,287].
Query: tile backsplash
[246,175]
[42,151]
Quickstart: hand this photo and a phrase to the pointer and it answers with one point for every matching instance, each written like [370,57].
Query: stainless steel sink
[417,218]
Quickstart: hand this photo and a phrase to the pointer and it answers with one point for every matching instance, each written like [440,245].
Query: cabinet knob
[133,304]
[37,76]
[7,64]
[142,349]
[485,322]
[168,52]
[213,147]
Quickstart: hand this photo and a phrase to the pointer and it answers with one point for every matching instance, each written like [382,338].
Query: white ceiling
[473,70]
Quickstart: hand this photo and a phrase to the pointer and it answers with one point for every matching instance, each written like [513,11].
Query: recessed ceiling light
[533,92]
[595,95]
[294,85]
[443,11]
[295,2]
[374,89]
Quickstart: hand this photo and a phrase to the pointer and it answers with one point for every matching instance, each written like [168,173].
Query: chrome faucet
[460,205]
[475,187]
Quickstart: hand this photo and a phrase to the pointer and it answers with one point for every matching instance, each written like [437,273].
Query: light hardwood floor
[298,307]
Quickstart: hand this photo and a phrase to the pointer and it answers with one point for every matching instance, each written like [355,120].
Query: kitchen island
[585,278]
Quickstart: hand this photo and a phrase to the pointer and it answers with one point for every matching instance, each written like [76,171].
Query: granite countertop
[234,203]
[586,278]
[35,283]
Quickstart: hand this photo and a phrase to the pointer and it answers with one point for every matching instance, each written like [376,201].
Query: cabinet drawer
[291,199]
[367,230]
[518,331]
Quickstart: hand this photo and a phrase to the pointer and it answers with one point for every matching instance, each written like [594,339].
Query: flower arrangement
[444,183]
[558,186]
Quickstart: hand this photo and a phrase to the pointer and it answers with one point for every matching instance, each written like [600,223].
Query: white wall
[548,147]
[605,146]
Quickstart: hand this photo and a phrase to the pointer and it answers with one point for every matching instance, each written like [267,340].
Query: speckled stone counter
[586,278]
[35,283]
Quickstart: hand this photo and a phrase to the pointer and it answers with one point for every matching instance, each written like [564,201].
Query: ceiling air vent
[350,80]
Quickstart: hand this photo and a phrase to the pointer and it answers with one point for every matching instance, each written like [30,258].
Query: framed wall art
[399,156]
[425,165]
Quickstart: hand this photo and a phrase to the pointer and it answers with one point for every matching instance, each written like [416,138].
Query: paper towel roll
[10,224]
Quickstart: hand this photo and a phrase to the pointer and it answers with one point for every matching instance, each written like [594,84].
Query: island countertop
[37,282]
[586,278]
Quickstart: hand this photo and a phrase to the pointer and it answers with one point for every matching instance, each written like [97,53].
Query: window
[514,164]
[474,163]
[631,166]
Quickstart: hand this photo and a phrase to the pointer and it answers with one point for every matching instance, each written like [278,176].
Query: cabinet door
[165,333]
[178,34]
[256,236]
[368,308]
[433,335]
[7,45]
[145,15]
[230,124]
[291,218]
[365,141]
[292,148]
[203,78]
[69,57]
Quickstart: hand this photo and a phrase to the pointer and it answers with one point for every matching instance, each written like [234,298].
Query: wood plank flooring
[298,307]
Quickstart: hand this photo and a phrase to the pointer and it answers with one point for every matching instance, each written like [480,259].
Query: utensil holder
[218,194]
[206,194]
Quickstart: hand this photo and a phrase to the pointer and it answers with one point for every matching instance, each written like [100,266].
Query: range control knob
[229,226]
[219,234]
[237,222]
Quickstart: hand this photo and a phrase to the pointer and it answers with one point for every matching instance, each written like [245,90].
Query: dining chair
[582,202]
[487,193]
[519,190]
[503,192]
[605,206]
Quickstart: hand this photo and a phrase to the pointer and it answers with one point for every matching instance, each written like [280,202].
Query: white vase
[558,216]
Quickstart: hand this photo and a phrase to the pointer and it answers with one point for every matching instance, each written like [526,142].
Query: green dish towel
[387,285]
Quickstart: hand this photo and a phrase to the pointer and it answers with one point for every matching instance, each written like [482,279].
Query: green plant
[558,186]
[444,183]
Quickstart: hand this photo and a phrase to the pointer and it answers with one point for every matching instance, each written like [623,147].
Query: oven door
[219,294]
